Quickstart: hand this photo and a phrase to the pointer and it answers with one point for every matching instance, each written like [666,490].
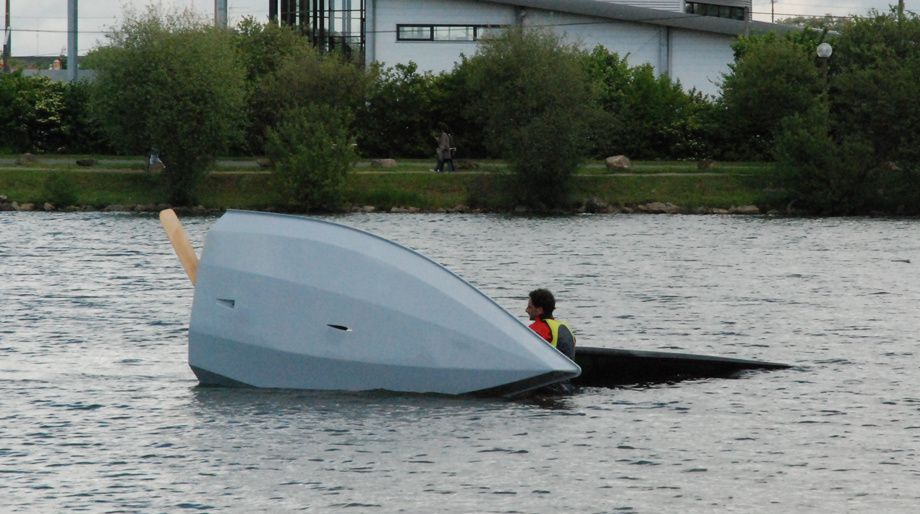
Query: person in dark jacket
[445,150]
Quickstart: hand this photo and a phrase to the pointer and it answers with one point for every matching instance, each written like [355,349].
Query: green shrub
[30,113]
[307,78]
[451,98]
[81,130]
[857,149]
[644,116]
[60,189]
[824,175]
[874,76]
[772,78]
[398,117]
[312,152]
[263,47]
[172,83]
[536,101]
[404,107]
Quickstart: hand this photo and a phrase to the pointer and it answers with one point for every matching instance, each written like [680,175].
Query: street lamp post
[824,52]
[6,40]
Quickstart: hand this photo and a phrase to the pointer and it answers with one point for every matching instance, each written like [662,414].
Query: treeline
[843,129]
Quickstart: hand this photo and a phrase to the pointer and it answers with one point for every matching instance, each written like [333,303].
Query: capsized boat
[297,303]
[610,367]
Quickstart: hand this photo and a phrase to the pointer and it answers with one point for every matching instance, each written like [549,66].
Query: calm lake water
[99,411]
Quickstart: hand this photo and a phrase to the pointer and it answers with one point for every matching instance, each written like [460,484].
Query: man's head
[541,304]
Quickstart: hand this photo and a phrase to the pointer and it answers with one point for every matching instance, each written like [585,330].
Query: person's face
[533,311]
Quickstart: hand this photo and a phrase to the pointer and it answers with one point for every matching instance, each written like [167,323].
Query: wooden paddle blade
[180,242]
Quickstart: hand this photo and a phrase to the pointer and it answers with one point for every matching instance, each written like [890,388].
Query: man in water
[540,307]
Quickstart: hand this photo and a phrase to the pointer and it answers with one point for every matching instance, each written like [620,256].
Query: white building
[688,41]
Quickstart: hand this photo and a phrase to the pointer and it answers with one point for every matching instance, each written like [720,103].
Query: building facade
[685,40]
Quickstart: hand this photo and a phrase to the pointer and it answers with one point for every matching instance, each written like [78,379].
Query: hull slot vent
[343,328]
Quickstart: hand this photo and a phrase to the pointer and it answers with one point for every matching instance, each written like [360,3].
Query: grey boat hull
[296,303]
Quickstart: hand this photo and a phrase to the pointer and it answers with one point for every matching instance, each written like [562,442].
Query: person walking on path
[445,151]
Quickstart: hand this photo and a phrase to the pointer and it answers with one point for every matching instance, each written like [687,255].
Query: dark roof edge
[602,9]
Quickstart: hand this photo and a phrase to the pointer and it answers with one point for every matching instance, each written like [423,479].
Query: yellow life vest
[554,325]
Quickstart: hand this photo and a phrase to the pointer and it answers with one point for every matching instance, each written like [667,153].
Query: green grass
[91,188]
[688,192]
[410,184]
[238,191]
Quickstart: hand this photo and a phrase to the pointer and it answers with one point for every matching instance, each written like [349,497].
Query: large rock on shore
[383,163]
[595,205]
[617,162]
[26,159]
[658,208]
[745,209]
[706,164]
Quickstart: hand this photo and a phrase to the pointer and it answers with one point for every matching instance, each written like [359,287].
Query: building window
[484,31]
[719,11]
[446,32]
[413,32]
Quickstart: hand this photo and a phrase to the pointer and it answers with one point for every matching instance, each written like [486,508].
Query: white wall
[697,59]
[434,56]
[700,59]
[640,41]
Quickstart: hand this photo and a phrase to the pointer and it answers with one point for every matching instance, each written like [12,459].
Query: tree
[536,101]
[451,99]
[263,47]
[875,83]
[31,110]
[828,21]
[646,116]
[771,78]
[825,175]
[312,151]
[398,118]
[173,83]
[861,152]
[308,78]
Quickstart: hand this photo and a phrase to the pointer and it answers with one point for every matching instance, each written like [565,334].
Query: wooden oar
[180,242]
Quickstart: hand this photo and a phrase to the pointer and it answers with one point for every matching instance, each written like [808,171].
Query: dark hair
[443,127]
[543,298]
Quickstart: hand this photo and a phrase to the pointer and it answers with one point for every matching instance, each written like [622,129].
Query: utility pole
[7,36]
[900,10]
[220,14]
[772,3]
[71,40]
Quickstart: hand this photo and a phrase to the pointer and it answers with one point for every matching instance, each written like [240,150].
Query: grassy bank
[241,183]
